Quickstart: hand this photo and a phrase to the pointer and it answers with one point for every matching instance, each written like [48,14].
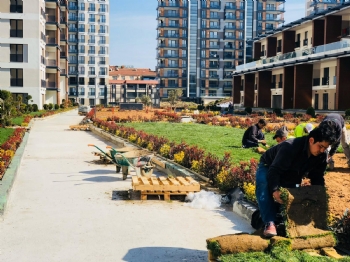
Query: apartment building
[305,63]
[128,83]
[30,45]
[315,6]
[88,51]
[201,42]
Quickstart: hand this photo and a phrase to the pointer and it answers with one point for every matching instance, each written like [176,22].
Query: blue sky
[133,30]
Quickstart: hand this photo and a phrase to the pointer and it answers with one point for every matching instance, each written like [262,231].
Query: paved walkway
[61,208]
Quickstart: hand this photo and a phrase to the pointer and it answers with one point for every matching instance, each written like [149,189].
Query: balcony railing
[101,31]
[16,8]
[16,57]
[43,60]
[325,81]
[82,93]
[16,82]
[52,40]
[72,93]
[102,62]
[43,83]
[72,29]
[91,94]
[332,47]
[51,85]
[63,37]
[316,82]
[305,42]
[51,18]
[63,71]
[63,54]
[51,62]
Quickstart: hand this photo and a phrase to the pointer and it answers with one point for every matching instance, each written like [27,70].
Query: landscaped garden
[212,148]
[14,116]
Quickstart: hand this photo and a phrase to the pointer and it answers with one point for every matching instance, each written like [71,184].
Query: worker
[303,129]
[282,135]
[285,165]
[342,139]
[254,135]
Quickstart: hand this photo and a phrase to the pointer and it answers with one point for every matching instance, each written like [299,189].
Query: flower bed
[8,149]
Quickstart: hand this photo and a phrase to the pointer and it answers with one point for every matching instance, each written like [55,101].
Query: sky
[133,30]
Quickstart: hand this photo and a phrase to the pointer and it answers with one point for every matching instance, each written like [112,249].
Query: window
[81,6]
[91,60]
[132,77]
[16,6]
[202,53]
[183,53]
[91,70]
[16,28]
[16,53]
[102,61]
[92,39]
[103,71]
[102,18]
[214,15]
[16,77]
[92,7]
[103,8]
[102,40]
[213,34]
[103,50]
[72,59]
[81,49]
[72,70]
[82,38]
[81,60]
[91,18]
[81,70]
[91,50]
[92,29]
[81,17]
[81,28]
[103,29]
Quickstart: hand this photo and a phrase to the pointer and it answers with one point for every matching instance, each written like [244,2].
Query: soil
[338,184]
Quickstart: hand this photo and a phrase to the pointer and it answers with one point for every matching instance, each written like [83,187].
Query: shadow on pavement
[238,223]
[165,254]
[99,179]
[97,172]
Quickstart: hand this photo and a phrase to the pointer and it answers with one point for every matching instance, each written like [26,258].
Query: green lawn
[5,133]
[17,120]
[213,139]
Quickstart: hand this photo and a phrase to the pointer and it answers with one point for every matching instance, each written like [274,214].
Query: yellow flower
[249,190]
[132,138]
[195,165]
[150,146]
[164,150]
[178,158]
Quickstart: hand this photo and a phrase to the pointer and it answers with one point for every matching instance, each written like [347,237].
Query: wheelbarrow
[140,160]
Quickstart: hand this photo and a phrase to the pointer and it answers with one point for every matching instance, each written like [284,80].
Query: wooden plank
[144,180]
[163,180]
[174,181]
[183,181]
[143,196]
[157,162]
[191,180]
[155,181]
[135,181]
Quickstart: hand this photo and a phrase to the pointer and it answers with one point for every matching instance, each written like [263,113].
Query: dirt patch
[338,184]
[305,243]
[104,113]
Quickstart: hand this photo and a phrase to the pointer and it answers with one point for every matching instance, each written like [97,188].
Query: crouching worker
[254,135]
[285,165]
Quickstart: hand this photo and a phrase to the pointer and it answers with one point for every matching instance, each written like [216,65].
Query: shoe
[270,230]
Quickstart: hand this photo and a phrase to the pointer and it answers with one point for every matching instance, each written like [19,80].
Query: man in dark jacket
[253,135]
[285,164]
[343,138]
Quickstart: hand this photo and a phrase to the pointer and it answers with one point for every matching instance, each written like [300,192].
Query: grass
[17,120]
[5,133]
[214,139]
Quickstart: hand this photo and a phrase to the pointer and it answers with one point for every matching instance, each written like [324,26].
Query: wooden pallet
[164,186]
[79,127]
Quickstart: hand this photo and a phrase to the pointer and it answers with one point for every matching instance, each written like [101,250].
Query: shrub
[57,106]
[35,108]
[62,106]
[249,110]
[347,112]
[29,108]
[311,111]
[46,106]
[50,106]
[277,111]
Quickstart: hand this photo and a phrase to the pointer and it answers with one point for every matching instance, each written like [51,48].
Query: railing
[297,44]
[316,82]
[102,10]
[63,37]
[91,73]
[230,7]
[82,93]
[52,40]
[102,52]
[229,47]
[171,4]
[16,57]
[72,93]
[43,60]
[230,37]
[233,17]
[102,62]
[92,52]
[102,73]
[72,29]
[229,66]
[305,42]
[170,14]
[230,27]
[72,18]
[51,85]
[91,41]
[102,83]
[43,83]
[92,9]
[63,19]
[92,20]
[92,31]
[213,65]
[101,31]
[16,8]
[91,94]
[337,46]
[63,54]
[73,51]
[214,46]
[63,71]
[16,33]
[214,76]
[91,62]
[51,62]
[325,81]
[51,18]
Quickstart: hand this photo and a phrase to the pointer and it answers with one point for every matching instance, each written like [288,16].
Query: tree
[174,96]
[146,100]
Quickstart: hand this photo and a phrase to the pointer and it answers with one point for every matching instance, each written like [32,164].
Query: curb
[10,174]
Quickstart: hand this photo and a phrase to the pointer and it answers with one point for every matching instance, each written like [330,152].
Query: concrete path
[61,208]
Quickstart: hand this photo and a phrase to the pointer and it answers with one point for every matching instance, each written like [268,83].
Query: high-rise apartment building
[32,36]
[88,51]
[315,6]
[201,42]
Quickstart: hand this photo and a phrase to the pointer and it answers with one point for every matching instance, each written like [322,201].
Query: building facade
[315,6]
[88,51]
[201,42]
[32,35]
[129,84]
[305,63]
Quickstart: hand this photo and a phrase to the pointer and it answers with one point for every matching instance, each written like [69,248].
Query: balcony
[91,83]
[73,51]
[171,14]
[229,66]
[229,37]
[230,17]
[16,57]
[72,29]
[102,62]
[230,27]
[170,4]
[91,62]
[92,94]
[325,81]
[305,42]
[335,49]
[230,7]
[214,16]
[92,31]
[16,8]
[102,10]
[214,46]
[213,76]
[43,83]
[82,93]
[171,75]
[51,19]
[51,85]
[63,37]
[63,71]
[92,9]
[16,33]
[91,52]
[73,18]
[229,47]
[213,65]
[51,63]
[63,54]
[316,82]
[92,20]
[71,93]
[91,41]
[227,75]
[52,41]
[102,31]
